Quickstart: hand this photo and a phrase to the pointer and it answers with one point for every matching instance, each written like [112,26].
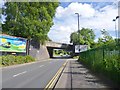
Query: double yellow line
[53,81]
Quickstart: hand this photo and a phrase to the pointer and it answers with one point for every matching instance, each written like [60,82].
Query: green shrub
[29,59]
[12,60]
[20,59]
[8,60]
[105,60]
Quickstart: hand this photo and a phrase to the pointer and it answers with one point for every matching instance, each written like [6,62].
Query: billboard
[80,48]
[12,44]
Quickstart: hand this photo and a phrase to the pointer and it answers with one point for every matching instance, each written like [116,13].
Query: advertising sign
[77,48]
[80,48]
[12,44]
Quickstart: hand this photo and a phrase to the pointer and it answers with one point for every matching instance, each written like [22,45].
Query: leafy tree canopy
[106,39]
[29,19]
[85,36]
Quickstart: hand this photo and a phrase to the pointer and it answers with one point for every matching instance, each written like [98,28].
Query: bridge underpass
[41,52]
[51,46]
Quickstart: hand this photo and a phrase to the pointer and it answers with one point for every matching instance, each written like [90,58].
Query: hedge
[104,60]
[13,60]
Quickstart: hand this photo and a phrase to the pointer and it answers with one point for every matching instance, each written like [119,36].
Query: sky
[93,15]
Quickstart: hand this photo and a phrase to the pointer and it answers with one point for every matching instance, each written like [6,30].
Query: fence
[105,60]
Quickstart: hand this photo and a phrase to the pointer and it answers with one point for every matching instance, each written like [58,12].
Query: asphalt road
[35,75]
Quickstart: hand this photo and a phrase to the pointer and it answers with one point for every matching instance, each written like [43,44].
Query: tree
[29,19]
[74,38]
[106,39]
[85,36]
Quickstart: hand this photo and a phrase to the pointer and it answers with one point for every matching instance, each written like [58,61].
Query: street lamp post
[78,26]
[78,21]
[115,26]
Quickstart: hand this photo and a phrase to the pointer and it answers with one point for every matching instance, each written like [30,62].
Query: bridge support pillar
[50,51]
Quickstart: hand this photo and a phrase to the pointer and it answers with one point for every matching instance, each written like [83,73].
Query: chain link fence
[104,59]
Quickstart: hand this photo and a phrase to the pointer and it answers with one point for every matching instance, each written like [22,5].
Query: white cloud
[65,21]
[86,10]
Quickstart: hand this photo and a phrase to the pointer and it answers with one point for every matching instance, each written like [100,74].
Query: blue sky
[95,4]
[94,15]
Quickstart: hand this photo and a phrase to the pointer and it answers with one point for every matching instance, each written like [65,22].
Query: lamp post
[115,26]
[78,21]
[78,26]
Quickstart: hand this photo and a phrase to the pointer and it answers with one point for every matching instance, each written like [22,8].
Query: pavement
[77,76]
[34,75]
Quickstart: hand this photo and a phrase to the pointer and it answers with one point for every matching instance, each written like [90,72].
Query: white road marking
[19,74]
[41,66]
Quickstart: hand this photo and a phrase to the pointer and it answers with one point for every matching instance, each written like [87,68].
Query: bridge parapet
[54,44]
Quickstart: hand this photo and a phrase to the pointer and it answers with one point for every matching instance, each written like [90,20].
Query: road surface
[35,75]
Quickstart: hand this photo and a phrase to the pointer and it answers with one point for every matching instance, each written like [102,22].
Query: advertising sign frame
[12,44]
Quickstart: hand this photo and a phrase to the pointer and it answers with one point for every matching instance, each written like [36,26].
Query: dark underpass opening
[59,53]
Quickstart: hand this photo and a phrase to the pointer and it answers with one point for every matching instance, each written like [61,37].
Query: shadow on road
[61,57]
